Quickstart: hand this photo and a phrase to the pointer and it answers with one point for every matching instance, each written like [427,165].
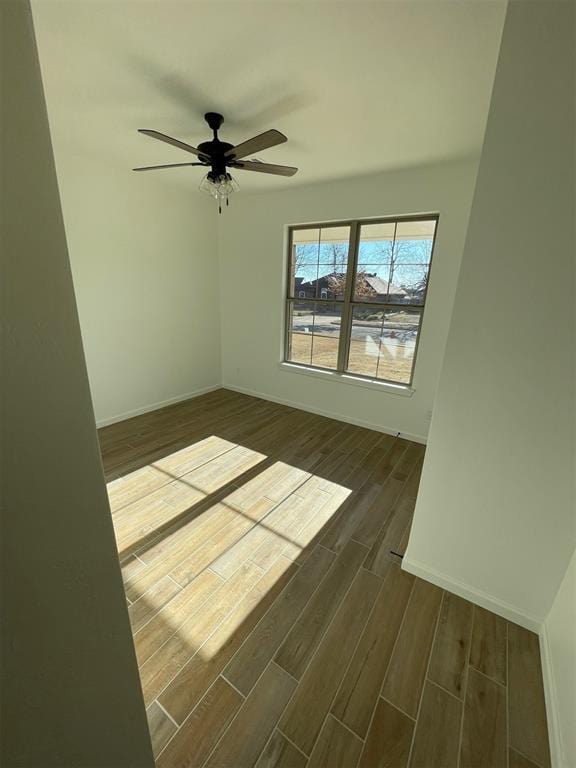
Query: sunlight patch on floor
[172,488]
[247,538]
[143,481]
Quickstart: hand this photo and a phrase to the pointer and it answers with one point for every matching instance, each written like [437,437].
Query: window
[356,295]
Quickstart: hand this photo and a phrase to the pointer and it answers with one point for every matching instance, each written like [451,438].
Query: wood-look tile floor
[272,626]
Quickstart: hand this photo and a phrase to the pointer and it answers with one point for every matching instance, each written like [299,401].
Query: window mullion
[346,321]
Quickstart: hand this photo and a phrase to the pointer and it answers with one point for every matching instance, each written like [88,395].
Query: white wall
[142,246]
[70,689]
[252,268]
[494,518]
[146,278]
[560,639]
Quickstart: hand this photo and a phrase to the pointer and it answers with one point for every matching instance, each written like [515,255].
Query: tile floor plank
[452,645]
[160,726]
[143,609]
[405,676]
[167,622]
[286,525]
[190,683]
[276,483]
[279,753]
[336,746]
[172,656]
[130,567]
[358,694]
[389,738]
[141,519]
[221,542]
[201,731]
[197,527]
[305,539]
[397,520]
[387,468]
[144,481]
[527,710]
[164,556]
[250,730]
[303,639]
[267,540]
[349,517]
[261,645]
[376,515]
[437,734]
[305,714]
[488,650]
[516,760]
[484,736]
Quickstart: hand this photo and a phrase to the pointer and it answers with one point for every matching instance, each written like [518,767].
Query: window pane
[422,229]
[376,242]
[308,237]
[409,283]
[372,283]
[398,347]
[326,330]
[393,262]
[319,263]
[413,242]
[410,265]
[304,260]
[314,333]
[383,343]
[375,257]
[301,316]
[365,340]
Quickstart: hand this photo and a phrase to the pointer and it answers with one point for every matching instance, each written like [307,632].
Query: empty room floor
[272,624]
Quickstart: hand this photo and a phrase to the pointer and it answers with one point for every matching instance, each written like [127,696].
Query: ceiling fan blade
[170,140]
[277,170]
[257,144]
[172,165]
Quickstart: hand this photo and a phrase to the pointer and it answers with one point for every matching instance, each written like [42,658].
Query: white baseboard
[155,406]
[552,708]
[507,611]
[322,412]
[262,395]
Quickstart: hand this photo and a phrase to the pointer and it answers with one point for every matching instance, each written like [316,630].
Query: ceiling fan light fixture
[220,187]
[220,155]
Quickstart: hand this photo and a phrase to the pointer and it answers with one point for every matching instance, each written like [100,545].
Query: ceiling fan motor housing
[213,151]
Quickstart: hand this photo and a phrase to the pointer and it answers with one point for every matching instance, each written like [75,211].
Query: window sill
[350,379]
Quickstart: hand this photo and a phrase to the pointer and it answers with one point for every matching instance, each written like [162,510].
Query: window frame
[348,302]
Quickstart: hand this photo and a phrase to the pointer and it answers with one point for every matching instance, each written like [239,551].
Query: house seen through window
[356,295]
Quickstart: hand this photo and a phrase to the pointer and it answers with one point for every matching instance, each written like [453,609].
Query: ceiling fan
[219,156]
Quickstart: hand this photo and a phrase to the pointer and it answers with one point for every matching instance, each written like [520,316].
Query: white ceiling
[357,87]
